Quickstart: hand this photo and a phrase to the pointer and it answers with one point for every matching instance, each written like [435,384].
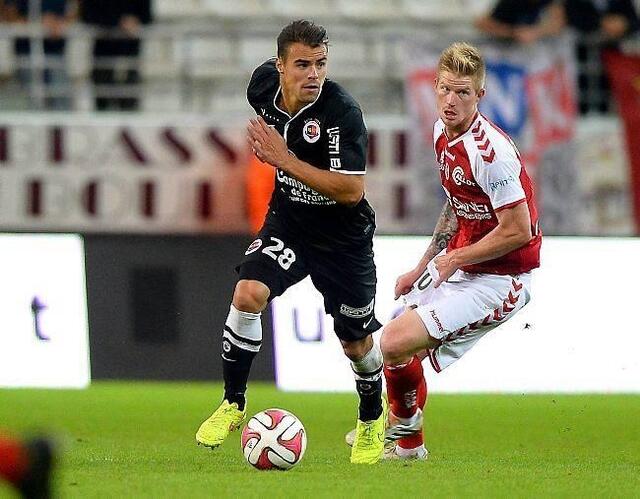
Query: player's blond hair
[462,58]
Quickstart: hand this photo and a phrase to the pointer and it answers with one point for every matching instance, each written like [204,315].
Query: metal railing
[200,67]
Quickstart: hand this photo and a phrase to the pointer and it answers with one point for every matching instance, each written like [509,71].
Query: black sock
[370,393]
[236,365]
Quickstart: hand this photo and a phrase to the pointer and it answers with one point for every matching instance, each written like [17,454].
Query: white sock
[241,326]
[369,367]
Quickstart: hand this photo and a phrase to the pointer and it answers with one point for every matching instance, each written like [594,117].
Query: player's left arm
[270,146]
[512,232]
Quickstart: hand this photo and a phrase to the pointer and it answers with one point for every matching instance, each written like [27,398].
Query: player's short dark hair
[301,31]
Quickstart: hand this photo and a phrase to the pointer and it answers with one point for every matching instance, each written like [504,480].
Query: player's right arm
[445,229]
[345,155]
[269,146]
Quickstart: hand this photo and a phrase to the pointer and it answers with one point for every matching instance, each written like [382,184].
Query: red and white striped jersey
[481,173]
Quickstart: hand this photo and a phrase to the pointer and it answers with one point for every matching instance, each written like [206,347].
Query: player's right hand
[404,283]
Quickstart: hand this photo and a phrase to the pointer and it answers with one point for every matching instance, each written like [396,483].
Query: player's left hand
[446,266]
[266,143]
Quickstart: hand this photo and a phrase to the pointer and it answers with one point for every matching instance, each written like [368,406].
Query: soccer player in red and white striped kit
[476,272]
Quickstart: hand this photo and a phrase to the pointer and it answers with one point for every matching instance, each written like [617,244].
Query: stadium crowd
[48,77]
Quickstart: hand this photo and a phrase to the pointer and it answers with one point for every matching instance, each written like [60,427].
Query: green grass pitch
[137,440]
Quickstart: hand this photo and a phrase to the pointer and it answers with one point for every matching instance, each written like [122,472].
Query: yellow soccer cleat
[368,444]
[394,430]
[224,420]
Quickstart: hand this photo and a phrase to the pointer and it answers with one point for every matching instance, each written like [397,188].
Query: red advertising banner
[624,75]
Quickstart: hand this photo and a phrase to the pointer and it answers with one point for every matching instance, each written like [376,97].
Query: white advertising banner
[142,173]
[149,174]
[560,342]
[152,174]
[43,312]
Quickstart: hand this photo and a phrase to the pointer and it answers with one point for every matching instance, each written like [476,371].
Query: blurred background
[122,123]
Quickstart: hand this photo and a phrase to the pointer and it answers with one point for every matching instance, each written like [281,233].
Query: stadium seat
[253,51]
[239,10]
[169,10]
[475,8]
[395,57]
[160,57]
[318,10]
[355,58]
[231,102]
[211,57]
[432,11]
[370,10]
[6,56]
[161,95]
[437,11]
[79,56]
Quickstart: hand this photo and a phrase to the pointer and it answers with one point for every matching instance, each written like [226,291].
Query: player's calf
[367,371]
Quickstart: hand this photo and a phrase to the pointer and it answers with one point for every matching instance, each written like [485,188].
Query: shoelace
[367,434]
[220,422]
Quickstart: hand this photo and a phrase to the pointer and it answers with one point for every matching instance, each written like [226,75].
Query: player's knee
[250,296]
[393,349]
[356,350]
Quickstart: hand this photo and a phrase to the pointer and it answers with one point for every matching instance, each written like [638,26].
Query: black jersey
[330,135]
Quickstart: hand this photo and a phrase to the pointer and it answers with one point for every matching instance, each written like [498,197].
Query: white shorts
[464,308]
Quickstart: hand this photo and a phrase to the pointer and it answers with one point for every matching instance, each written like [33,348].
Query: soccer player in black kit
[319,224]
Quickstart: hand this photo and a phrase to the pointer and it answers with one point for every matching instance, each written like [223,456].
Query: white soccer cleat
[350,437]
[394,452]
[400,430]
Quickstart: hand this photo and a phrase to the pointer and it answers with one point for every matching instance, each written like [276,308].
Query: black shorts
[346,279]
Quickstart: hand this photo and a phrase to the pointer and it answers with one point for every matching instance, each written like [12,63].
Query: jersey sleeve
[347,143]
[260,83]
[501,182]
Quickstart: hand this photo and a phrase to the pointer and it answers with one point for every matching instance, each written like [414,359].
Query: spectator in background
[55,17]
[605,23]
[524,21]
[612,19]
[608,20]
[116,51]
